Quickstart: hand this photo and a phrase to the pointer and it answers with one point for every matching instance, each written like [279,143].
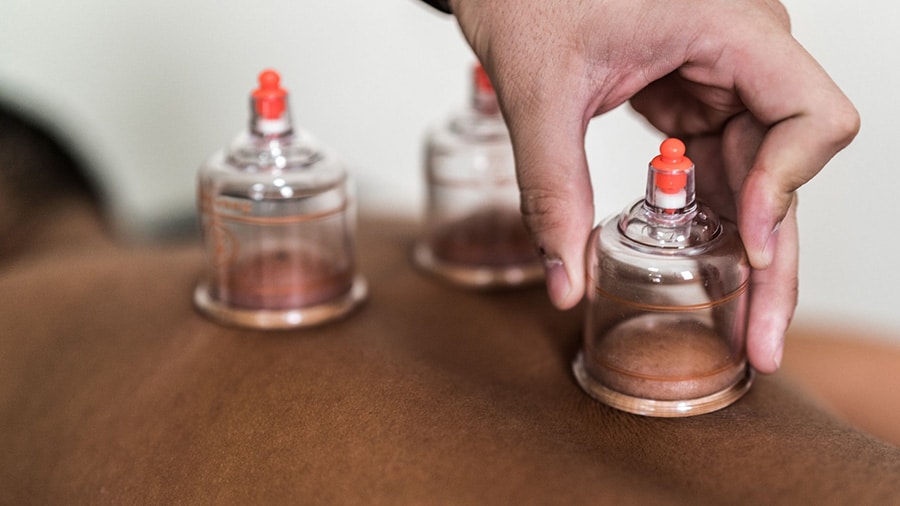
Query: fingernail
[779,353]
[769,249]
[557,280]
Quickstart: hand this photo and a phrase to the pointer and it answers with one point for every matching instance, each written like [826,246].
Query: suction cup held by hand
[667,302]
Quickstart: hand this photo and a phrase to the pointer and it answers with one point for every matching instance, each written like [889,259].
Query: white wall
[146,90]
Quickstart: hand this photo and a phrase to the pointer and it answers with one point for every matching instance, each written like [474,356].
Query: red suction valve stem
[671,166]
[270,96]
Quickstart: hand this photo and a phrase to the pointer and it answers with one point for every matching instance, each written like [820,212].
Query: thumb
[556,195]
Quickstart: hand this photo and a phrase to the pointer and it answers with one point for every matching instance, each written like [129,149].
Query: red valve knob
[270,96]
[672,166]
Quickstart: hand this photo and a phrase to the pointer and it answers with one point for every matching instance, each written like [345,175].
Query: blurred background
[142,92]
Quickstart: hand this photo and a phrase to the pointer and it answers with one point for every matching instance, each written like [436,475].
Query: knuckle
[781,14]
[848,122]
[840,122]
[542,210]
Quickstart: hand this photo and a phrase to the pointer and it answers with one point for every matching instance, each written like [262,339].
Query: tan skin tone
[113,390]
[759,116]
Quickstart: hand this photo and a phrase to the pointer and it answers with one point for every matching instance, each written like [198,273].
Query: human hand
[758,114]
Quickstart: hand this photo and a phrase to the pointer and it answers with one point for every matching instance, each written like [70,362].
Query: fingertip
[562,249]
[558,212]
[774,295]
[760,245]
[765,350]
[558,285]
[767,254]
[564,287]
[778,354]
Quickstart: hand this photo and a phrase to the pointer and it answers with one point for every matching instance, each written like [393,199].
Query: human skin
[758,114]
[114,390]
